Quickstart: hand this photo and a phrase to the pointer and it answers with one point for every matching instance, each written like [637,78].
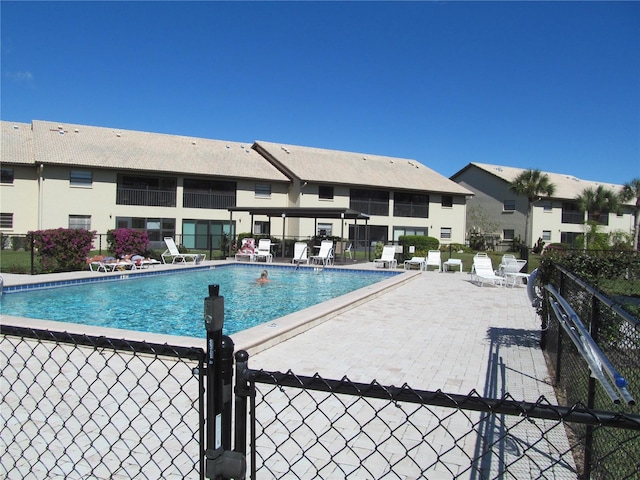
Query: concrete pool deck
[431,330]
[427,330]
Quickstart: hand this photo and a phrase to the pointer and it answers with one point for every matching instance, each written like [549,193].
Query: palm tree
[595,202]
[533,184]
[631,190]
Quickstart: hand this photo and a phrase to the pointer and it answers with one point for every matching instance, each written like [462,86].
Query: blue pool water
[174,304]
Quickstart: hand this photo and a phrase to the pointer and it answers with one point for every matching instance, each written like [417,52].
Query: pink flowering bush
[62,249]
[127,241]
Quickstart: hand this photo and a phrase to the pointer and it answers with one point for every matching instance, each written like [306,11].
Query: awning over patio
[298,212]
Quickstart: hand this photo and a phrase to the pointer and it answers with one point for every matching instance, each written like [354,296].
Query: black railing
[208,200]
[370,207]
[410,210]
[150,198]
[572,217]
[578,372]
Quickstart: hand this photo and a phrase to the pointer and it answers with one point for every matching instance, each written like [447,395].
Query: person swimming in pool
[264,277]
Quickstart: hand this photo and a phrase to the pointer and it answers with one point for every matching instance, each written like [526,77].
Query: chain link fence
[617,334]
[76,406]
[311,427]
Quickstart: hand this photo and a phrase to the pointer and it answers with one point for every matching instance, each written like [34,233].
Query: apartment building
[77,176]
[555,219]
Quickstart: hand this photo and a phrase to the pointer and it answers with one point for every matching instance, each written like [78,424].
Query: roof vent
[77,131]
[15,127]
[193,142]
[364,158]
[228,146]
[118,134]
[499,169]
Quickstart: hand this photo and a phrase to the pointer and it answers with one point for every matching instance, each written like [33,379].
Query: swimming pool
[174,303]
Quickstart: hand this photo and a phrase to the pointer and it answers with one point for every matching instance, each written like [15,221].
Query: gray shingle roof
[83,145]
[17,143]
[337,167]
[568,187]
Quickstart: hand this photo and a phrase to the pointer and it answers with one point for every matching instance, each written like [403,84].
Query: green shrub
[422,243]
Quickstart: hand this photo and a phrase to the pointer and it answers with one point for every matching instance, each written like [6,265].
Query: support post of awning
[284,216]
[342,237]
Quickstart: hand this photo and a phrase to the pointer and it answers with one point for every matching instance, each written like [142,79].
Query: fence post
[241,394]
[226,376]
[32,240]
[220,462]
[594,327]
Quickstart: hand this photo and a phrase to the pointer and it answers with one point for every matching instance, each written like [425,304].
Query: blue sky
[547,85]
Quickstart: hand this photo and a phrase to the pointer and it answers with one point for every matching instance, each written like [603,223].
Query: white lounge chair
[482,271]
[325,255]
[415,262]
[264,250]
[433,260]
[175,255]
[511,269]
[510,264]
[247,250]
[100,266]
[388,257]
[299,253]
[452,263]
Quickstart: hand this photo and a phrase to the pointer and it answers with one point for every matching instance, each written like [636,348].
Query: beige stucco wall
[21,199]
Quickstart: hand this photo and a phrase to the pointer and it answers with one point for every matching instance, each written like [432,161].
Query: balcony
[572,217]
[208,200]
[145,197]
[370,207]
[410,210]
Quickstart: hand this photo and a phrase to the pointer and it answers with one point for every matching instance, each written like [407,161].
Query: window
[6,220]
[401,231]
[547,206]
[571,213]
[156,228]
[324,229]
[546,235]
[371,202]
[602,219]
[80,178]
[410,205]
[445,233]
[263,190]
[509,206]
[6,175]
[325,192]
[508,234]
[261,228]
[447,201]
[569,237]
[80,221]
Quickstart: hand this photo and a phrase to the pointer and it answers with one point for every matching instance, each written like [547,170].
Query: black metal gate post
[221,463]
